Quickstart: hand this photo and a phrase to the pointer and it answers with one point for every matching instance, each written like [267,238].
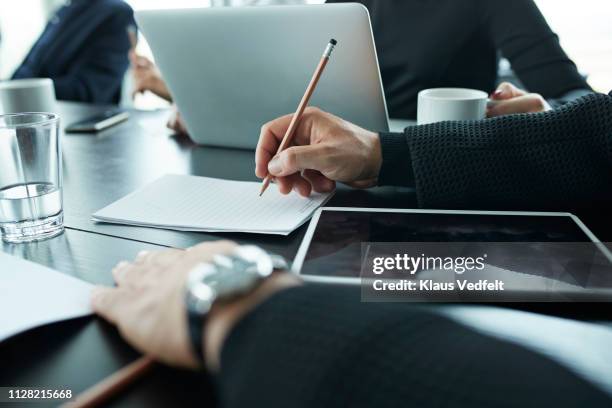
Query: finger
[301,185]
[284,184]
[273,132]
[173,125]
[107,302]
[506,90]
[298,158]
[143,62]
[523,104]
[270,137]
[319,182]
[120,272]
[141,257]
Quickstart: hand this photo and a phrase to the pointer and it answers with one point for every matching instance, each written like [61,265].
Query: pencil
[112,385]
[302,106]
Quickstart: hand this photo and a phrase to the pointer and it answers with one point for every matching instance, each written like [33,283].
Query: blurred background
[584,27]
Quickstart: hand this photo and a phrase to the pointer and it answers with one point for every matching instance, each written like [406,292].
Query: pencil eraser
[333,42]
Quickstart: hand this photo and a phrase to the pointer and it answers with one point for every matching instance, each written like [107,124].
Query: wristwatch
[225,278]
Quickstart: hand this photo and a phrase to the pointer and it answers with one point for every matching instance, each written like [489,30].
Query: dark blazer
[84,49]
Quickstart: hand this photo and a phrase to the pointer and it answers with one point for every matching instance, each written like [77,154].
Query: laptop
[230,70]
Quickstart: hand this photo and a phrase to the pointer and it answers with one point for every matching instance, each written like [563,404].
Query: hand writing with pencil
[326,149]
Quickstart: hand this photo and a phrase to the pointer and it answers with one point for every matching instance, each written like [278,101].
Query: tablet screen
[335,249]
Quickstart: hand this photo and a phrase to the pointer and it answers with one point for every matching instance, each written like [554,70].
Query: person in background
[147,77]
[426,44]
[83,49]
[447,43]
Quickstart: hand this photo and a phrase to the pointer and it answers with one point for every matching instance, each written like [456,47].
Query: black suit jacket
[84,49]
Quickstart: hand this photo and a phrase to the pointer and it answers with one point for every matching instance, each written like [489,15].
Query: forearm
[93,82]
[519,30]
[304,346]
[396,168]
[553,160]
[320,345]
[24,71]
[568,97]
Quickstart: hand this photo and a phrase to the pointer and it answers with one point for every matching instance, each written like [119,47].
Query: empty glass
[30,177]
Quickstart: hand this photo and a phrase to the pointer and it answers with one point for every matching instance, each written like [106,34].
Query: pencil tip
[333,42]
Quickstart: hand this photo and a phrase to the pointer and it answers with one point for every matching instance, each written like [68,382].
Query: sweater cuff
[568,97]
[396,169]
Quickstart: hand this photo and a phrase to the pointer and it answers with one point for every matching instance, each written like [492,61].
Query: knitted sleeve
[556,160]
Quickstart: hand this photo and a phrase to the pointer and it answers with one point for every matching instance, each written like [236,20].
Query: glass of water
[30,177]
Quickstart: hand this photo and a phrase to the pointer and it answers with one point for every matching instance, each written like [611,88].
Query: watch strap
[196,322]
[248,258]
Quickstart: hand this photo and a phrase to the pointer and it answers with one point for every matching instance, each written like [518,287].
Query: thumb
[506,90]
[295,159]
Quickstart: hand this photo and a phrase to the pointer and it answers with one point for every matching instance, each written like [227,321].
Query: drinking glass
[30,177]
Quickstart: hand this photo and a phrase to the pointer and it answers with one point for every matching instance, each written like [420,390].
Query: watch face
[200,296]
[260,262]
[227,275]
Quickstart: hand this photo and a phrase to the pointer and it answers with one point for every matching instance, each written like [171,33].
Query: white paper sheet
[191,203]
[32,295]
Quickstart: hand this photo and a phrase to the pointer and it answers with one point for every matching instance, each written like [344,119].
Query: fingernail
[142,254]
[498,93]
[274,166]
[117,272]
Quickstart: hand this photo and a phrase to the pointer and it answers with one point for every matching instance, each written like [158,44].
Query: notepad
[32,295]
[191,203]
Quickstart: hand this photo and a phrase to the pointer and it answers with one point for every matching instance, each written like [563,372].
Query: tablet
[333,247]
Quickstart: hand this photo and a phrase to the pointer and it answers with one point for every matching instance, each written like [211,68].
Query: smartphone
[99,122]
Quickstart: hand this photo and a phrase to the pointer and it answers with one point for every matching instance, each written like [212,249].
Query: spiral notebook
[191,203]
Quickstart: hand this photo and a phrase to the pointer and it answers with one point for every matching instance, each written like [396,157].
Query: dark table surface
[101,168]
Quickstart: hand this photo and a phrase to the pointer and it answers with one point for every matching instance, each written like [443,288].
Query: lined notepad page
[191,203]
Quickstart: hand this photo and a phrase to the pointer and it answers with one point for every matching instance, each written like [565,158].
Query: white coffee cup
[27,95]
[440,104]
